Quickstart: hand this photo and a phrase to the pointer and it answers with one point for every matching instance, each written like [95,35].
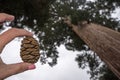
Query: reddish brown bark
[104,41]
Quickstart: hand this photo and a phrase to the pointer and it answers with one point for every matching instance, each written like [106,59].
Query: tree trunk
[104,41]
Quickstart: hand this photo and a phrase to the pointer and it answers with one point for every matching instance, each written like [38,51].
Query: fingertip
[31,67]
[10,18]
[28,66]
[25,33]
[23,66]
[12,69]
[30,33]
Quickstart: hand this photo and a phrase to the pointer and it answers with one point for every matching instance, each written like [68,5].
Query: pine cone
[29,51]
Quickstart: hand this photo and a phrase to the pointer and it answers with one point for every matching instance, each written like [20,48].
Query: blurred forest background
[44,17]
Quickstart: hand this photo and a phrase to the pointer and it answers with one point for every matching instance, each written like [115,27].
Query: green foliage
[97,69]
[44,17]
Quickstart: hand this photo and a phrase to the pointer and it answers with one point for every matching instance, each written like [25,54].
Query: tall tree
[104,41]
[44,17]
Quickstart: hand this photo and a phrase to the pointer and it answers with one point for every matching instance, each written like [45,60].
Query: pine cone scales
[29,51]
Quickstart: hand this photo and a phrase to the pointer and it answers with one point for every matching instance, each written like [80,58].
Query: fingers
[6,17]
[12,69]
[9,35]
[20,67]
[21,32]
[14,32]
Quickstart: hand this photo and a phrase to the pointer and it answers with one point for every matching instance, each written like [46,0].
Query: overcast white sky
[66,69]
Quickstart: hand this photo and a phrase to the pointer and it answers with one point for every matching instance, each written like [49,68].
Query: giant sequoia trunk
[104,41]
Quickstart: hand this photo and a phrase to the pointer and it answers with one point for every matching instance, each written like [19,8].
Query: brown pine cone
[29,51]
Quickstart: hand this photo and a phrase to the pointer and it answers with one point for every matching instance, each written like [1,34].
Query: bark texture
[104,41]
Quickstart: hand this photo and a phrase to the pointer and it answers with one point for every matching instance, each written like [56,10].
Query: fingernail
[31,67]
[31,33]
[11,18]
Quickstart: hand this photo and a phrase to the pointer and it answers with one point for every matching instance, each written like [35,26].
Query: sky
[116,13]
[66,69]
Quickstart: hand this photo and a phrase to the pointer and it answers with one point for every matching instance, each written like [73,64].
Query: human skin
[7,70]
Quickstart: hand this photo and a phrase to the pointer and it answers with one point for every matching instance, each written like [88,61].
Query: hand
[5,17]
[7,70]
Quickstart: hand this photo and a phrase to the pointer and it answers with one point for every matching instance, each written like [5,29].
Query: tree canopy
[44,17]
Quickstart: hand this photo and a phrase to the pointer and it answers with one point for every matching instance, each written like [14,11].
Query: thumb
[12,69]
